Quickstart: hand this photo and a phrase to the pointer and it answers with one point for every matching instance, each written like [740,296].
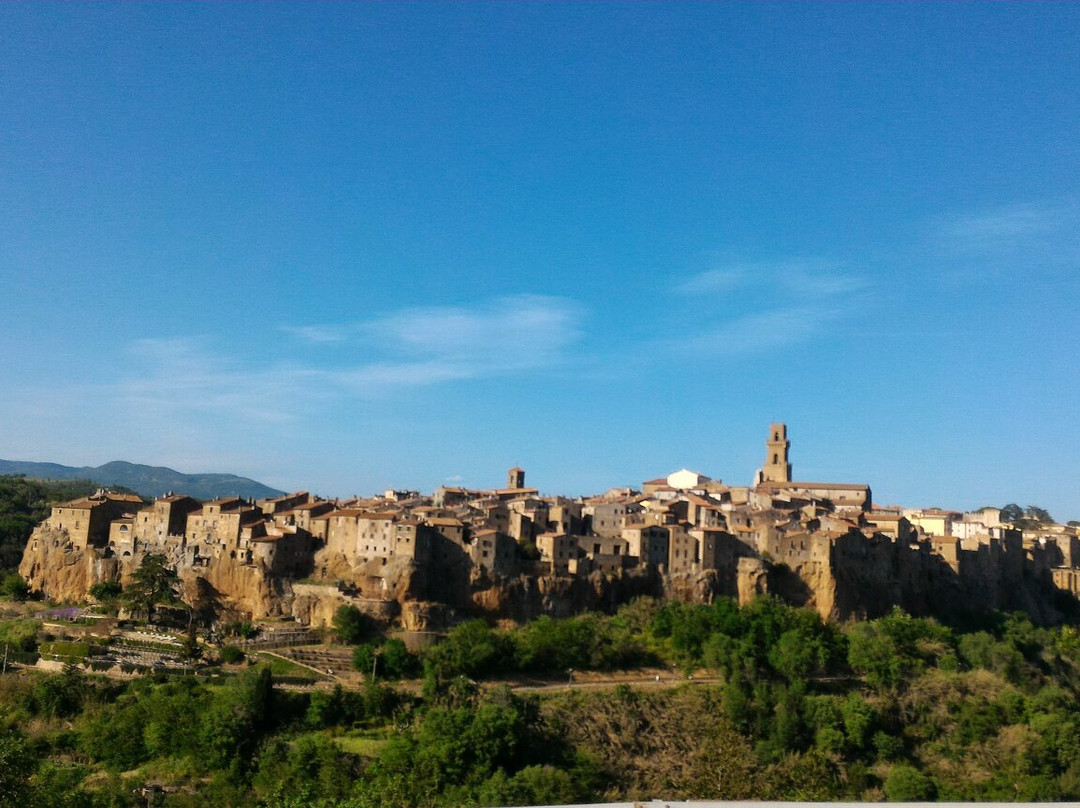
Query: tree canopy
[153,583]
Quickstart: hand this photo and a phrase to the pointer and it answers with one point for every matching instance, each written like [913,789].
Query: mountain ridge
[147,481]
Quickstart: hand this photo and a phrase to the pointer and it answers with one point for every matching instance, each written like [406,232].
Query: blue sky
[353,246]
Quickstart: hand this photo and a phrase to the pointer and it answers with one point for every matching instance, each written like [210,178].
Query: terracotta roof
[703,501]
[287,496]
[351,513]
[85,503]
[123,497]
[816,486]
[307,506]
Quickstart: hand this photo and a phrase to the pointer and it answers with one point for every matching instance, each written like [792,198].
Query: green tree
[396,660]
[1037,514]
[1025,518]
[364,658]
[1011,513]
[891,650]
[17,765]
[62,695]
[470,649]
[151,584]
[14,587]
[351,625]
[105,590]
[905,784]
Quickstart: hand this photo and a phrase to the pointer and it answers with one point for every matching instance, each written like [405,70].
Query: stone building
[85,521]
[822,545]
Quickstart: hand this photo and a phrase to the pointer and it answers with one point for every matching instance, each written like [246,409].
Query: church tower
[515,478]
[777,469]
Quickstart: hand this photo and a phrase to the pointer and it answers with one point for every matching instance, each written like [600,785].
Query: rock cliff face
[64,573]
[863,577]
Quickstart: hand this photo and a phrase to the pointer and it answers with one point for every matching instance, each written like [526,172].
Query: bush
[363,658]
[241,628]
[14,587]
[20,635]
[106,591]
[905,784]
[230,654]
[351,625]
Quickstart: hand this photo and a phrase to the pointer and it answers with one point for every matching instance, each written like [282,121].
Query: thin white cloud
[318,334]
[714,281]
[1037,230]
[746,308]
[804,277]
[499,336]
[759,332]
[408,348]
[186,375]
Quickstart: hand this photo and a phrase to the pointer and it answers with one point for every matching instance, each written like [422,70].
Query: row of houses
[681,524]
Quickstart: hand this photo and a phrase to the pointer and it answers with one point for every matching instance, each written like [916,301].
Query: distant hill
[147,481]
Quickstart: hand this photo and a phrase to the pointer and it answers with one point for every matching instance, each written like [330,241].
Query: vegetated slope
[146,481]
[901,708]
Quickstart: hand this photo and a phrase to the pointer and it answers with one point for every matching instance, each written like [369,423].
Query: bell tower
[515,478]
[777,469]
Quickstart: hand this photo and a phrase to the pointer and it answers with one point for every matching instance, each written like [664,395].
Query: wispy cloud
[715,281]
[499,336]
[176,375]
[760,332]
[745,308]
[796,276]
[318,334]
[1036,230]
[407,348]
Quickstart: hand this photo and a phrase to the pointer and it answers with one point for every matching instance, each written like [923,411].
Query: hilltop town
[425,560]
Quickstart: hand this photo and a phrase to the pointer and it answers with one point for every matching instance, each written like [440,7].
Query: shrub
[230,654]
[106,590]
[14,587]
[905,784]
